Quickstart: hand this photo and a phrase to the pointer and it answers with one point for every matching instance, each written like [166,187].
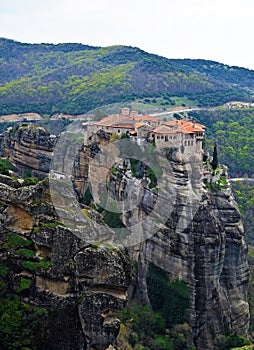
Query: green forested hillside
[233,132]
[244,194]
[74,78]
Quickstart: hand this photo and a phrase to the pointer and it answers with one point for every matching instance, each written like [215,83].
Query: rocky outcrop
[23,117]
[29,147]
[189,229]
[81,285]
[196,235]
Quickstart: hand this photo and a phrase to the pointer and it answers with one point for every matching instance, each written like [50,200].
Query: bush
[133,338]
[114,137]
[30,181]
[29,265]
[24,284]
[5,167]
[18,321]
[27,253]
[14,240]
[163,342]
[45,264]
[232,341]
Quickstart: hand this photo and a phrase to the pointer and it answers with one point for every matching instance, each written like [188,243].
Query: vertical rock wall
[201,242]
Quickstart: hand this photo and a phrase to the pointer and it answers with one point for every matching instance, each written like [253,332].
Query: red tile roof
[184,126]
[115,121]
[139,125]
[163,129]
[148,118]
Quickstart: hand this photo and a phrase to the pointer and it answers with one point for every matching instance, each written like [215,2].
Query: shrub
[24,284]
[30,181]
[114,137]
[5,167]
[163,342]
[45,264]
[14,240]
[27,253]
[29,265]
[18,321]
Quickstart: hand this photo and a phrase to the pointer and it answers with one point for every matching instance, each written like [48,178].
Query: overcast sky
[220,30]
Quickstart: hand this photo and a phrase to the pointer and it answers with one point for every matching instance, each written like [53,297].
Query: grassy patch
[24,284]
[45,264]
[27,253]
[86,213]
[6,167]
[14,240]
[95,245]
[52,224]
[30,181]
[29,265]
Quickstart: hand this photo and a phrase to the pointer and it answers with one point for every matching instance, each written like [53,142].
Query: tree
[215,158]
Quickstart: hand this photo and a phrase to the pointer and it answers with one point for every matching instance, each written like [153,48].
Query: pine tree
[215,158]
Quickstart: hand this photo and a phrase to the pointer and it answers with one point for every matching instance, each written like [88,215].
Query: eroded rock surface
[192,232]
[28,146]
[199,239]
[81,285]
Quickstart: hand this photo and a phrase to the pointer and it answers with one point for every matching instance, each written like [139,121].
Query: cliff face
[198,238]
[28,146]
[81,286]
[190,230]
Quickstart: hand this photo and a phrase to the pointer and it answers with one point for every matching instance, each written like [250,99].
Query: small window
[118,131]
[166,138]
[158,137]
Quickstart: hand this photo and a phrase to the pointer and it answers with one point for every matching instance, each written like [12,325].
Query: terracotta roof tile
[184,126]
[148,118]
[163,129]
[139,125]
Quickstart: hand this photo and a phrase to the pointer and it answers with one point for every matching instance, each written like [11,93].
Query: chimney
[193,123]
[134,114]
[125,112]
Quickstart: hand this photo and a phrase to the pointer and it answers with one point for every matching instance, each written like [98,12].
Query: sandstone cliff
[190,230]
[80,285]
[28,146]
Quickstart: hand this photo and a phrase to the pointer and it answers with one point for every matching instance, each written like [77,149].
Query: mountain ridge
[75,78]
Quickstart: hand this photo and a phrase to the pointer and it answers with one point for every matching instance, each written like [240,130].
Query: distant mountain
[74,78]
